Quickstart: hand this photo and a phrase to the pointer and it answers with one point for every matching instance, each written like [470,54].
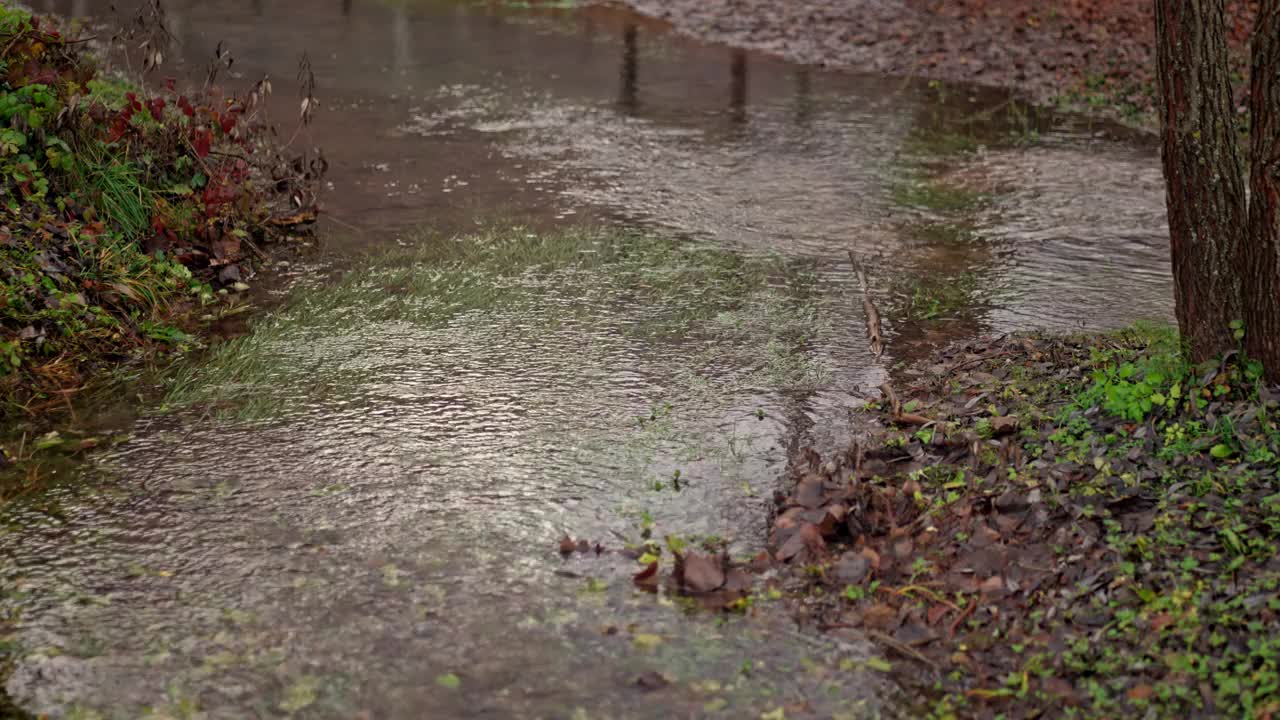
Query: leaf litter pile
[1089,54]
[1064,527]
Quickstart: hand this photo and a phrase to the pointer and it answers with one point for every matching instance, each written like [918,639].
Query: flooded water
[599,285]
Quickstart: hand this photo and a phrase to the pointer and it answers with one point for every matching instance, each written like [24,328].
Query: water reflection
[738,88]
[628,96]
[803,102]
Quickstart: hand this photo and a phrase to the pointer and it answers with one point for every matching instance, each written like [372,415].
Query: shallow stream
[588,278]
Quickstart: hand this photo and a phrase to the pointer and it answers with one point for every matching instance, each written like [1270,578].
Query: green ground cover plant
[122,208]
[1060,527]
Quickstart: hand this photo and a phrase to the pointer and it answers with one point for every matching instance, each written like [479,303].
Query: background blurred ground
[1095,54]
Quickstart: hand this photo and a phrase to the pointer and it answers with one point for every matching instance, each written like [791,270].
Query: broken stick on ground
[873,315]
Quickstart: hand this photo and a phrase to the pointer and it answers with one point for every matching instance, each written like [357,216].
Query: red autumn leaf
[936,613]
[567,545]
[647,573]
[185,105]
[156,107]
[118,129]
[202,140]
[227,122]
[220,193]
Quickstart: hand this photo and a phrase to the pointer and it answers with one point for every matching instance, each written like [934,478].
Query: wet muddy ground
[1092,55]
[590,279]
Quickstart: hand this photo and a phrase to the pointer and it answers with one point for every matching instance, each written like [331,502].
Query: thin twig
[875,334]
[955,624]
[901,647]
[261,255]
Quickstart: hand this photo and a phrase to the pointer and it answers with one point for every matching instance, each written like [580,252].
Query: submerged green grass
[922,192]
[702,302]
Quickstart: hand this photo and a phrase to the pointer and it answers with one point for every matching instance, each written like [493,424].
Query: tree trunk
[1261,261]
[1204,174]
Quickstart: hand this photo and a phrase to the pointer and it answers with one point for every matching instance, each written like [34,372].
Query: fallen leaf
[993,584]
[1141,692]
[880,617]
[652,680]
[737,580]
[647,573]
[807,543]
[878,664]
[872,556]
[646,641]
[936,613]
[852,568]
[809,492]
[699,573]
[715,705]
[1004,425]
[301,694]
[567,546]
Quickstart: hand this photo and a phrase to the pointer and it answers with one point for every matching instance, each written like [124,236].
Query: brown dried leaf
[699,573]
[647,573]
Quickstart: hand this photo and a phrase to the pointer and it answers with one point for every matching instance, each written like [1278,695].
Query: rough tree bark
[1203,170]
[1261,258]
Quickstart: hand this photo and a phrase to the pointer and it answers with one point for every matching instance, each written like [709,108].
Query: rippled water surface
[634,269]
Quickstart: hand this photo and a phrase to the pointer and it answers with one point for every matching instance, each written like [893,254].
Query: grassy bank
[126,214]
[1062,527]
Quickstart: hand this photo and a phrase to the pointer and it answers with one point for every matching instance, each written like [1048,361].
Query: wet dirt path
[633,269]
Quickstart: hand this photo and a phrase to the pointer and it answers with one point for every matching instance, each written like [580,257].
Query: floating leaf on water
[699,573]
[449,681]
[652,680]
[715,706]
[647,573]
[221,660]
[301,694]
[391,575]
[706,687]
[567,545]
[646,641]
